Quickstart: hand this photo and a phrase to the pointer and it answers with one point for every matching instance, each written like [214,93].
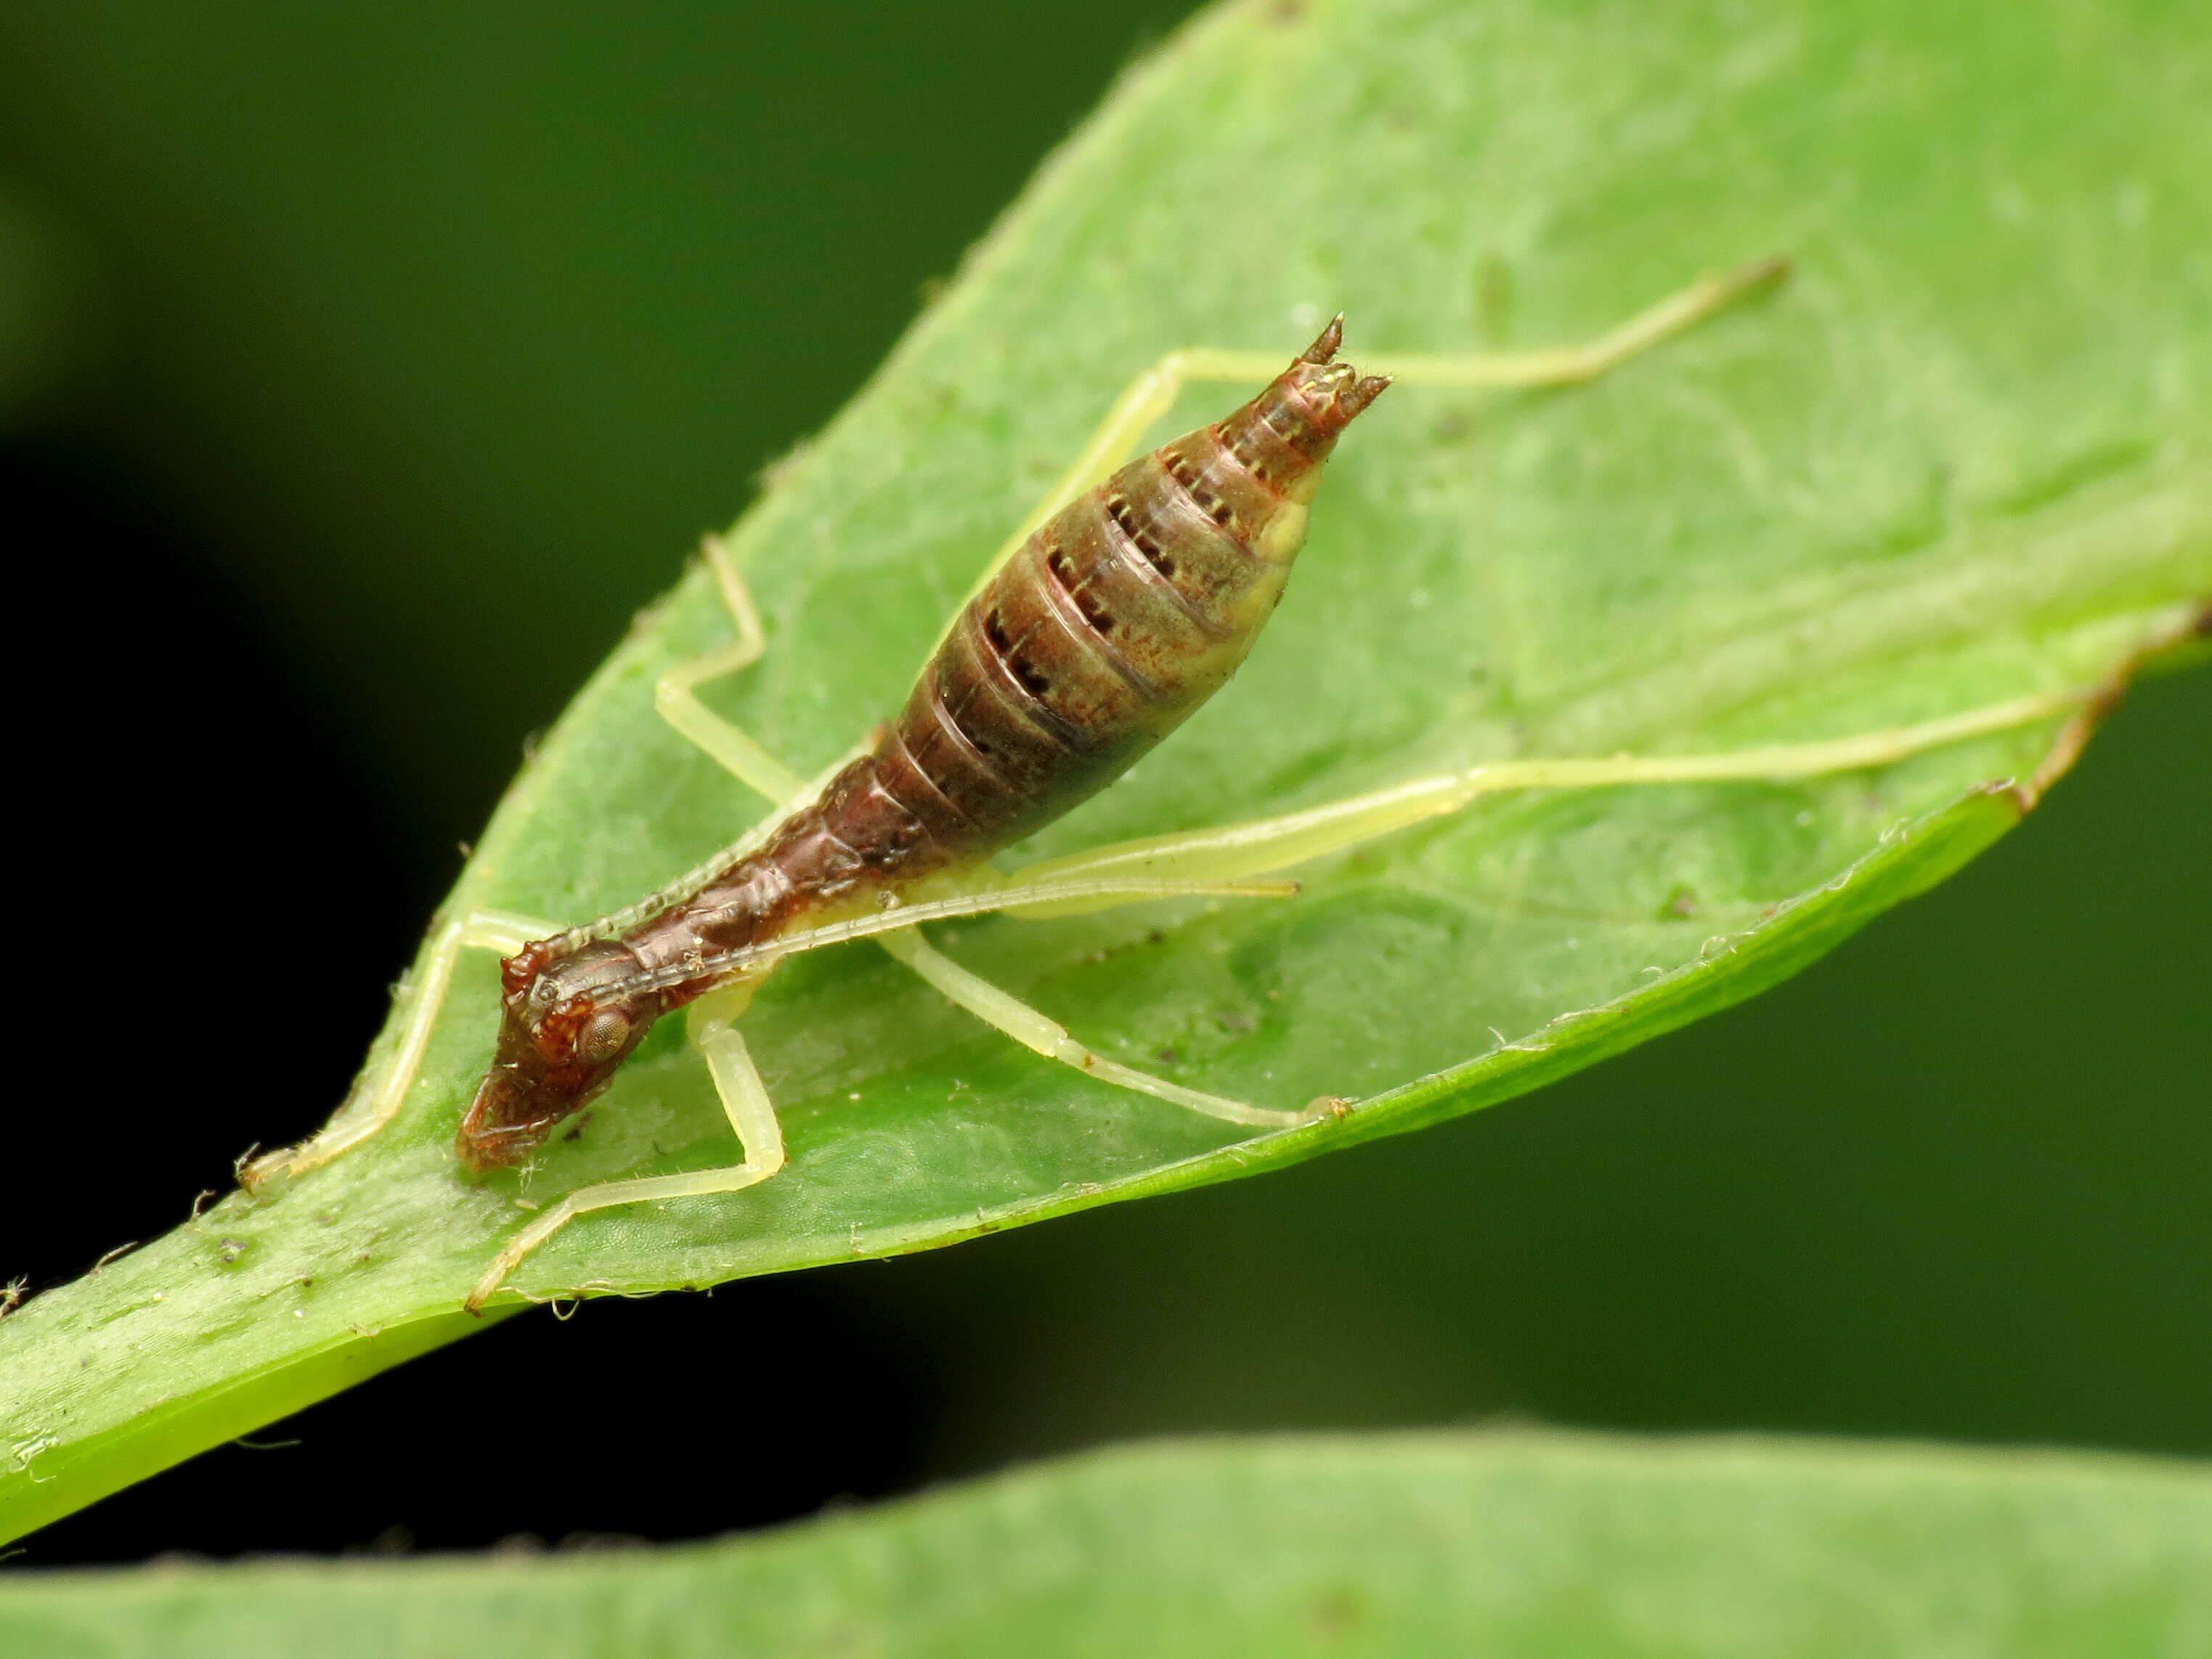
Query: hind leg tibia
[1240,852]
[1043,1035]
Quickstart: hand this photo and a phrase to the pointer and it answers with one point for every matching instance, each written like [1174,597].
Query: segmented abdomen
[1121,615]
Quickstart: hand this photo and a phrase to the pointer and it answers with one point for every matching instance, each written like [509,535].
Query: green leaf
[1447,1543]
[1962,458]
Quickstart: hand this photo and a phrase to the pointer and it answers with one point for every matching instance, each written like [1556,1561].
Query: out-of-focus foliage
[1508,1545]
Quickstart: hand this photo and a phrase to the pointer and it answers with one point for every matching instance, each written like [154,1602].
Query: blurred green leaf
[52,311]
[1962,458]
[1492,1544]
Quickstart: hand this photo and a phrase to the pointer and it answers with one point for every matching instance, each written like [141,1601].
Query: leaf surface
[1962,458]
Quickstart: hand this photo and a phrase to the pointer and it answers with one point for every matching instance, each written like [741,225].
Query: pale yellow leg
[744,1100]
[379,1093]
[1046,1036]
[1236,852]
[1226,861]
[676,698]
[1153,392]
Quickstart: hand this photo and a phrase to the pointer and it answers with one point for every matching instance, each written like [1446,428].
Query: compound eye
[603,1038]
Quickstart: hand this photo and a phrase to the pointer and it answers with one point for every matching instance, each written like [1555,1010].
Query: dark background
[362,367]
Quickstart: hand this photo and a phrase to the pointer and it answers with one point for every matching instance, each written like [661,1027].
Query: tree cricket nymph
[1118,616]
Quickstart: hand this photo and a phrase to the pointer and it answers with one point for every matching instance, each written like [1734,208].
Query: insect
[1129,597]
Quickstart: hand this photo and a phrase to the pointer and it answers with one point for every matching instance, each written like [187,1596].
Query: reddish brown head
[565,1026]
